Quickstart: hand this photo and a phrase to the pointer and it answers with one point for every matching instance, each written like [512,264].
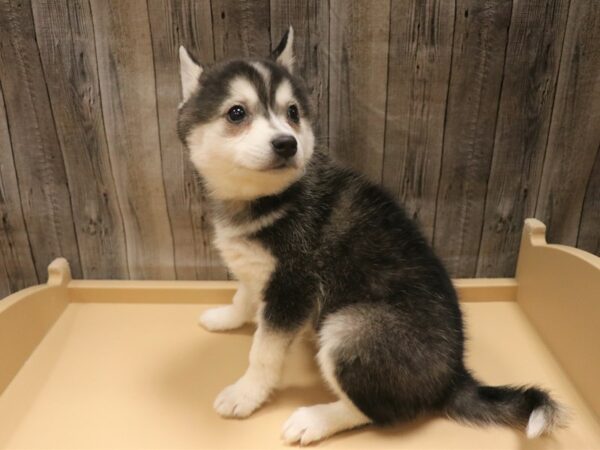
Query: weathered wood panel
[38,158]
[575,130]
[127,88]
[5,288]
[189,23]
[589,227]
[358,65]
[65,37]
[530,73]
[17,270]
[241,28]
[474,113]
[310,19]
[419,70]
[480,37]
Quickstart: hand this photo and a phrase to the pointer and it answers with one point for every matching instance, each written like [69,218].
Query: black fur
[281,46]
[507,405]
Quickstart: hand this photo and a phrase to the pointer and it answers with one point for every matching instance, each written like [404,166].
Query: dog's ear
[190,72]
[284,52]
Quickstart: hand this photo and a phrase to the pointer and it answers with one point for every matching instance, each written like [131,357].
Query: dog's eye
[236,113]
[293,113]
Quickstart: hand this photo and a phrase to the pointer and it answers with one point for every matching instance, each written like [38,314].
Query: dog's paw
[240,399]
[306,425]
[314,423]
[222,318]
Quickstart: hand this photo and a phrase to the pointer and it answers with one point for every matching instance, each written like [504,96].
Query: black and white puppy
[317,245]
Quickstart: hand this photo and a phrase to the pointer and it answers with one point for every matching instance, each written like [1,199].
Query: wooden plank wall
[474,113]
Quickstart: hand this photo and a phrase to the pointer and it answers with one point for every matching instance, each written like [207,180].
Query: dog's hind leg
[314,423]
[241,311]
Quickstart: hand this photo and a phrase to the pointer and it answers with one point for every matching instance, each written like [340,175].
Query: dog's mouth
[280,165]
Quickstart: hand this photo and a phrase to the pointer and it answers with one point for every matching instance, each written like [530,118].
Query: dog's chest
[246,258]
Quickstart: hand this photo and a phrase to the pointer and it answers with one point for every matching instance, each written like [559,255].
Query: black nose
[285,145]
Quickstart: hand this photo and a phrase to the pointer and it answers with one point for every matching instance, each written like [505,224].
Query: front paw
[222,318]
[241,399]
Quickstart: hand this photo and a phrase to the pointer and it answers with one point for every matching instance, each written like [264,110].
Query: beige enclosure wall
[474,113]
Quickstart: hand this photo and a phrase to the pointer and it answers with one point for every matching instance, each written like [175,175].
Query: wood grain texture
[473,113]
[310,19]
[38,159]
[589,227]
[17,270]
[530,73]
[358,66]
[575,130]
[241,28]
[127,88]
[419,70]
[5,288]
[65,37]
[189,23]
[480,38]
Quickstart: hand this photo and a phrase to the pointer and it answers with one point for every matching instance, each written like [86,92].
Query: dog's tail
[528,408]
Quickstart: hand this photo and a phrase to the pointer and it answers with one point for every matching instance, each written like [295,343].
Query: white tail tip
[545,419]
[538,423]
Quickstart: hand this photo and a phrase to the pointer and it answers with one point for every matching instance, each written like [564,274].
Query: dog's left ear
[190,72]
[284,52]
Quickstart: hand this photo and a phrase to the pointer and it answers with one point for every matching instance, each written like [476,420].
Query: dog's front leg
[241,311]
[264,372]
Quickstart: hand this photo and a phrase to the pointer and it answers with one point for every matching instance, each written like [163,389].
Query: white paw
[240,399]
[222,318]
[306,425]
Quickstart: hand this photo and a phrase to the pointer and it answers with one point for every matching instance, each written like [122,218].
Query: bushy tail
[529,408]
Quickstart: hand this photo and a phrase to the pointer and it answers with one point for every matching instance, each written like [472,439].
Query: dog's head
[246,123]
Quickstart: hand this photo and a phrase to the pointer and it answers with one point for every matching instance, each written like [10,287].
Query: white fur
[248,228]
[306,141]
[190,74]
[335,331]
[222,318]
[242,91]
[537,424]
[264,72]
[255,151]
[284,93]
[313,423]
[283,127]
[230,165]
[263,375]
[286,58]
[241,311]
[251,263]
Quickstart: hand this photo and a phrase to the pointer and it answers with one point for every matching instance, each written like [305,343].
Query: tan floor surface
[145,376]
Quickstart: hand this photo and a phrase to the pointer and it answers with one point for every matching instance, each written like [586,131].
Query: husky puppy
[316,245]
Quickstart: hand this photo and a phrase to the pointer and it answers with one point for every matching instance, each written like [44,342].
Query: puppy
[316,245]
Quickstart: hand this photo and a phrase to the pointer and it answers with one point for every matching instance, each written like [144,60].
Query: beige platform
[105,364]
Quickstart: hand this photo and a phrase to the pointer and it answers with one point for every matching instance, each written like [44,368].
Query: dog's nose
[285,145]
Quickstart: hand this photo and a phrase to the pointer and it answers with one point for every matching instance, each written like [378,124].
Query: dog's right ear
[190,72]
[284,52]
